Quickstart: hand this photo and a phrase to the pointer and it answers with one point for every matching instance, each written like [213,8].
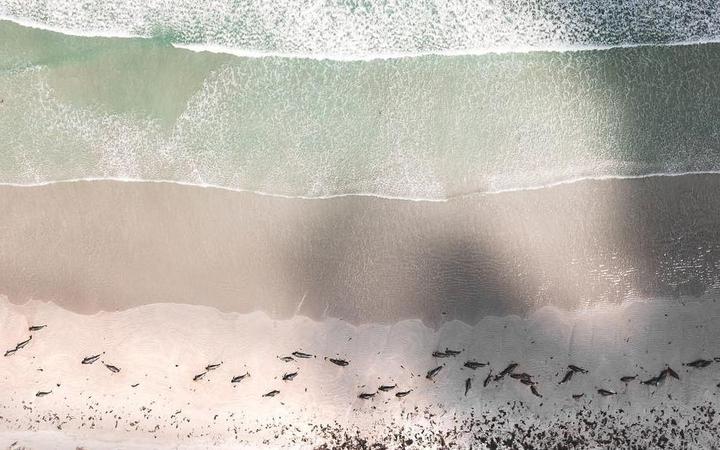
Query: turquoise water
[427,127]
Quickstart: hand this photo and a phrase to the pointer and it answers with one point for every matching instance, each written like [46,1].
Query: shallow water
[432,127]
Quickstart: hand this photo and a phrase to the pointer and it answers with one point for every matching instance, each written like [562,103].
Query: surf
[370,30]
[305,128]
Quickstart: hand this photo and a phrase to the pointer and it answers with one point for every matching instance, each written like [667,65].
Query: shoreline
[343,57]
[550,185]
[106,245]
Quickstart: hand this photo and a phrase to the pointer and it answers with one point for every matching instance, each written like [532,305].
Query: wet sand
[108,246]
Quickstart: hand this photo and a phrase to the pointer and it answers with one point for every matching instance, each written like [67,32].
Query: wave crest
[351,29]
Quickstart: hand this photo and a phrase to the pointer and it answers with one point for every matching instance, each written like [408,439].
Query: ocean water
[428,127]
[352,29]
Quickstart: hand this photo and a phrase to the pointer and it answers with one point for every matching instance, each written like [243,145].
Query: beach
[154,400]
[109,246]
[362,225]
[162,280]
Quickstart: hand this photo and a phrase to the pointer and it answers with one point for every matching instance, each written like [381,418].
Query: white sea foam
[427,128]
[378,29]
[357,194]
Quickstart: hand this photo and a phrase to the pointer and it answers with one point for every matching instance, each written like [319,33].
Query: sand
[616,276]
[108,246]
[163,346]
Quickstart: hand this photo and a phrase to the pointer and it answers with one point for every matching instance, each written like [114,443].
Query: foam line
[363,194]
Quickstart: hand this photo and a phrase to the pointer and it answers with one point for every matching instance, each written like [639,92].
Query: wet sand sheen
[106,245]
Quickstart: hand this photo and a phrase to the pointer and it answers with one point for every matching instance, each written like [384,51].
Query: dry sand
[163,346]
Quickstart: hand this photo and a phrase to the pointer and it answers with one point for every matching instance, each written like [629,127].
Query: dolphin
[199,376]
[474,365]
[289,376]
[568,376]
[91,359]
[239,378]
[111,368]
[577,369]
[509,369]
[432,372]
[535,392]
[487,379]
[23,343]
[210,367]
[699,363]
[338,362]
